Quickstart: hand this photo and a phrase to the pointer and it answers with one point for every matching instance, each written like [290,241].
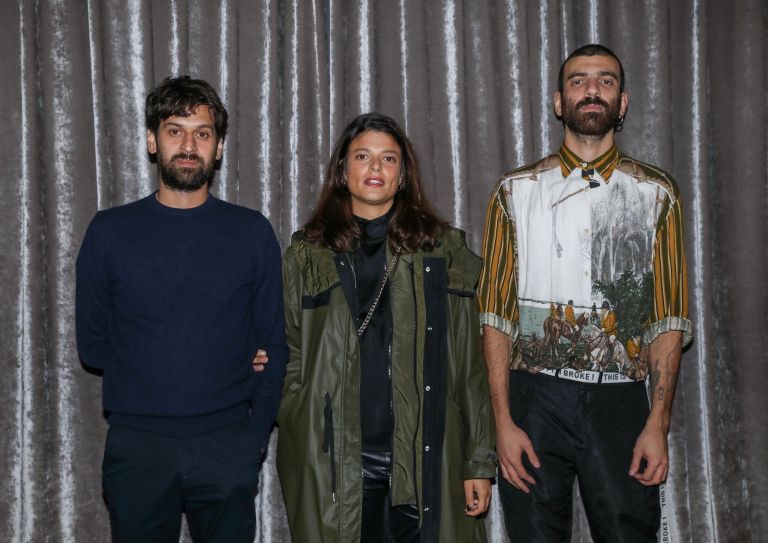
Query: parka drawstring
[328,445]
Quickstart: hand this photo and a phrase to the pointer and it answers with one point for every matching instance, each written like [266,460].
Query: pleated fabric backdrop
[472,83]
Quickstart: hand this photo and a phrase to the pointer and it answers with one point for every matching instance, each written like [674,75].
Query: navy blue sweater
[172,305]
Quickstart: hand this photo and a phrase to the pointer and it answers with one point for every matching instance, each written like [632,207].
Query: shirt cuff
[500,323]
[669,324]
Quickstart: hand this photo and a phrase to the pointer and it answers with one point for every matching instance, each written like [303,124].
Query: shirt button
[429,328]
[427,388]
[426,509]
[426,448]
[427,269]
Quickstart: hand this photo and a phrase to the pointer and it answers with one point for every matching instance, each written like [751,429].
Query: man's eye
[608,82]
[361,156]
[392,159]
[173,132]
[203,135]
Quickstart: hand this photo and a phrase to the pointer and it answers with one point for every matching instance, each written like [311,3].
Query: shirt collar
[604,164]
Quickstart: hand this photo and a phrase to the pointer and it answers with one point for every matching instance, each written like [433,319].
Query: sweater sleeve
[269,323]
[92,299]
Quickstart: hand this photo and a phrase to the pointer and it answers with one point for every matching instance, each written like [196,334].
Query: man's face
[187,150]
[591,102]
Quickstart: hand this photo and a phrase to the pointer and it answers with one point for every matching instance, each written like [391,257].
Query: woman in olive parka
[385,428]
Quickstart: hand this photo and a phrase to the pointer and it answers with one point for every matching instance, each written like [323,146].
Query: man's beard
[592,123]
[185,179]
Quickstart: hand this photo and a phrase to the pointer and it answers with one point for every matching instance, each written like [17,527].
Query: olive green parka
[443,431]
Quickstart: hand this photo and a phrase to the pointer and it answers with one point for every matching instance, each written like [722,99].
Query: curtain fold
[472,83]
[737,298]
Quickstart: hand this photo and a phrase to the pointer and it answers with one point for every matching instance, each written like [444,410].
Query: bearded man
[177,295]
[556,230]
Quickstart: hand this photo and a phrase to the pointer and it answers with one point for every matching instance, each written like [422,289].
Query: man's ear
[219,149]
[557,103]
[624,103]
[151,142]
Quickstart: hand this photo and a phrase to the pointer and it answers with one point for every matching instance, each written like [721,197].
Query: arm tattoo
[658,388]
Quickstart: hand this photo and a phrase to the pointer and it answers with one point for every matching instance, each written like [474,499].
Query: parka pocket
[328,441]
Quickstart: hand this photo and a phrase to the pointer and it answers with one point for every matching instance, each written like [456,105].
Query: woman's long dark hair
[414,225]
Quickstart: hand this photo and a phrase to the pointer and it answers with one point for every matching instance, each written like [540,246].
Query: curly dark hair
[180,96]
[413,225]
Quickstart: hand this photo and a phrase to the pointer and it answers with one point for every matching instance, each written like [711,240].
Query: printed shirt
[606,236]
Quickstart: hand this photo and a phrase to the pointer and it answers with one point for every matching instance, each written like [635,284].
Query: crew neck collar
[156,204]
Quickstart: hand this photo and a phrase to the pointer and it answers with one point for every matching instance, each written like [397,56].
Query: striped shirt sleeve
[497,287]
[669,309]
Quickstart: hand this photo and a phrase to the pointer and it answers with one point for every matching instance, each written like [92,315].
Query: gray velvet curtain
[471,81]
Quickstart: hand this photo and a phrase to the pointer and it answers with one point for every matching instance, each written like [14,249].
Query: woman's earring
[401,184]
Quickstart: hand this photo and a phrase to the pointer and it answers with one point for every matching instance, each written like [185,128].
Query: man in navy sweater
[177,294]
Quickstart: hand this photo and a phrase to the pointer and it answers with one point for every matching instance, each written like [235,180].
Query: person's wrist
[658,422]
[505,422]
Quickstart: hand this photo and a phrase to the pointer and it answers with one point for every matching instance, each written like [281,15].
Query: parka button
[427,269]
[427,388]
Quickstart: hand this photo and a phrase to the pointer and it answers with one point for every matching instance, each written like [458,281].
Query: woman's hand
[478,496]
[259,360]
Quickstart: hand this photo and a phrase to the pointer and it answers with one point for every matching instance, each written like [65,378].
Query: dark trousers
[583,431]
[150,480]
[381,522]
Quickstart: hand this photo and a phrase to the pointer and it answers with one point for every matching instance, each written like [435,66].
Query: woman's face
[373,173]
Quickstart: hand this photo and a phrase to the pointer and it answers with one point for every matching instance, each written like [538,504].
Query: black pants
[586,431]
[149,480]
[383,523]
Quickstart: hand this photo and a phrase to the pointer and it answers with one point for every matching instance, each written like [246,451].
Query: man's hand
[478,496]
[651,446]
[260,360]
[511,443]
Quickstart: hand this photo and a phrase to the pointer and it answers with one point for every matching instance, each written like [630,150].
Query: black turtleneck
[370,261]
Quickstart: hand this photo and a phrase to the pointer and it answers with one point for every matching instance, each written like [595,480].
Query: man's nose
[593,89]
[189,143]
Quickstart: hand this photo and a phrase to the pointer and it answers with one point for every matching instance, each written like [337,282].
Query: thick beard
[592,123]
[185,179]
